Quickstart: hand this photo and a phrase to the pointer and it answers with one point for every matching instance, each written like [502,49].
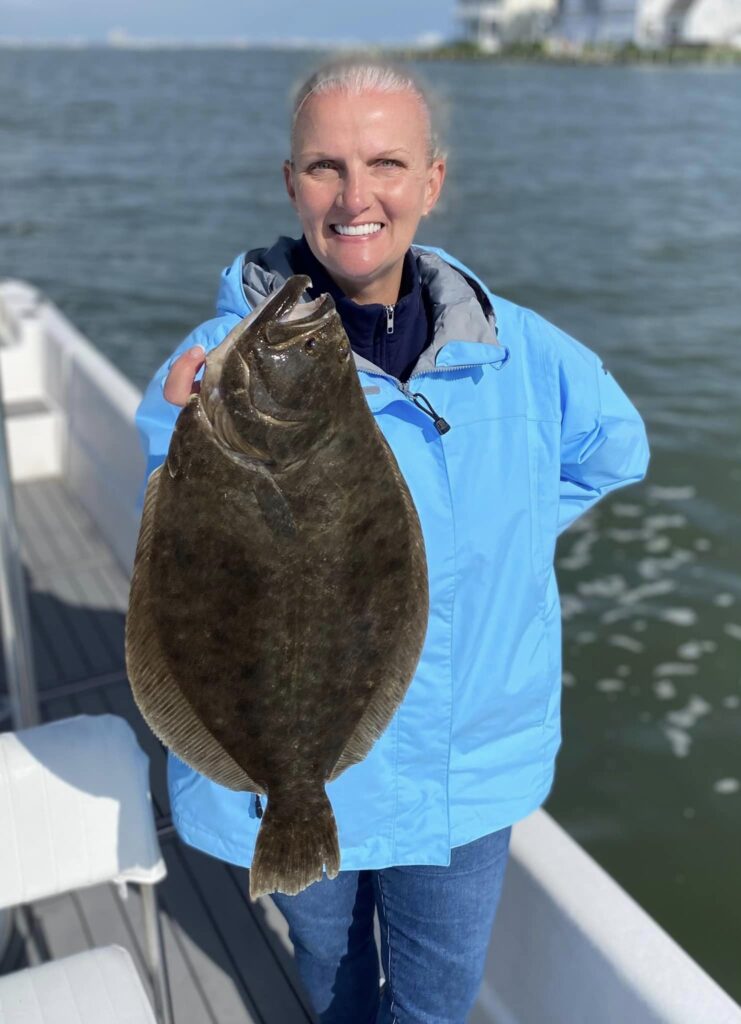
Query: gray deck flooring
[229,961]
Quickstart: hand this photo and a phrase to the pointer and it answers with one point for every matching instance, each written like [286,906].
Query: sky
[255,21]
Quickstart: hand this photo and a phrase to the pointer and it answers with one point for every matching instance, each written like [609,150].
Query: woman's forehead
[388,119]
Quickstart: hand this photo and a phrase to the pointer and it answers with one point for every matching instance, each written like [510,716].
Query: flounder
[279,597]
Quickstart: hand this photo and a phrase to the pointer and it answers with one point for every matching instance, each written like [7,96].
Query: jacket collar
[461,308]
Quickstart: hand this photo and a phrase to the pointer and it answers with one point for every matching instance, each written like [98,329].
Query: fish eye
[310,344]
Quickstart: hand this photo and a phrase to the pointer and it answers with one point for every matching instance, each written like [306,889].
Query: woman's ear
[288,179]
[435,179]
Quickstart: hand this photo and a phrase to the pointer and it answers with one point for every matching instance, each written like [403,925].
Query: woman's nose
[355,195]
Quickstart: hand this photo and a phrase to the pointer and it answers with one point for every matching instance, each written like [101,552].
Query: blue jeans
[435,928]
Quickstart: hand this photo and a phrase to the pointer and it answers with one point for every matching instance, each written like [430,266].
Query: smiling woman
[361,176]
[509,432]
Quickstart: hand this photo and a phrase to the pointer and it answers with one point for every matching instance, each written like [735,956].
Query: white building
[649,22]
[491,23]
[714,21]
[661,22]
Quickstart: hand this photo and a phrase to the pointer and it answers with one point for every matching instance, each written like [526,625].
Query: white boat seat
[101,986]
[75,811]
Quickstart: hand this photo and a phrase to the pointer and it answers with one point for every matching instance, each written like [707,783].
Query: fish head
[281,377]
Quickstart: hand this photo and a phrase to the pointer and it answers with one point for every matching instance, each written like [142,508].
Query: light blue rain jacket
[539,432]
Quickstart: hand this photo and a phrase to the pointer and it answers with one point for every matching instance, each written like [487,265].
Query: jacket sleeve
[155,416]
[603,438]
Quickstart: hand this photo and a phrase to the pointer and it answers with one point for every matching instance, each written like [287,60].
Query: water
[608,200]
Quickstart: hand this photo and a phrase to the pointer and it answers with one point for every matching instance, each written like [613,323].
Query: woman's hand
[180,383]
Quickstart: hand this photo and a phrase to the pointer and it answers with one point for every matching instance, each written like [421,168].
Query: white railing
[90,405]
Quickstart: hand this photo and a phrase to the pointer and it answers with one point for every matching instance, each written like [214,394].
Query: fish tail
[294,842]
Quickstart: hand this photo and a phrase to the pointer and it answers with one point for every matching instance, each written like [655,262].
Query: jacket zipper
[389,319]
[441,425]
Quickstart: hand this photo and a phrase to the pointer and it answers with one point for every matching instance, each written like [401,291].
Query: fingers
[180,383]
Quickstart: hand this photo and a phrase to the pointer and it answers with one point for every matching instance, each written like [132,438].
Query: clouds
[254,20]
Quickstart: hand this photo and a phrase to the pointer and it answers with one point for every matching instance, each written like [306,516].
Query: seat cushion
[101,986]
[75,809]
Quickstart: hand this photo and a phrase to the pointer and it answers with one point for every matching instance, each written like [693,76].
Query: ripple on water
[724,600]
[665,689]
[648,590]
[657,545]
[679,616]
[659,493]
[675,668]
[733,629]
[679,740]
[654,568]
[686,717]
[662,521]
[725,786]
[607,586]
[586,636]
[610,685]
[580,553]
[626,510]
[679,722]
[571,605]
[693,649]
[628,643]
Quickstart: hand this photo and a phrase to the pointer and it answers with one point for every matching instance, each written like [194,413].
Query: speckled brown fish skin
[279,598]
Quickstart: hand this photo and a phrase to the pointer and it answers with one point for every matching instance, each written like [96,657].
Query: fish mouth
[288,322]
[302,319]
[281,309]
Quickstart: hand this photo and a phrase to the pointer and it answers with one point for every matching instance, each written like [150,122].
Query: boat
[569,944]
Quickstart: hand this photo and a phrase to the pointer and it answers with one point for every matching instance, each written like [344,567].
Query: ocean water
[605,198]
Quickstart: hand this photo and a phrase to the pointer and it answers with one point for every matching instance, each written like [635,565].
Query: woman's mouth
[357,230]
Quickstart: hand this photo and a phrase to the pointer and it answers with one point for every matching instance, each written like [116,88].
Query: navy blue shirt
[392,337]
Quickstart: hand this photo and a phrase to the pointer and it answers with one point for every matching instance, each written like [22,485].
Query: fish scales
[279,598]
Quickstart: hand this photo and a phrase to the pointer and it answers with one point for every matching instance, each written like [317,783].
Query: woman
[506,430]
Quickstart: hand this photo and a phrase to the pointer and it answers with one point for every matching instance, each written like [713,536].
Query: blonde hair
[355,75]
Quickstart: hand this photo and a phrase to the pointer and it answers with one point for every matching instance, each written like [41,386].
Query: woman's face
[360,162]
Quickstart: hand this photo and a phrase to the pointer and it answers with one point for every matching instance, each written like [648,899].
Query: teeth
[359,229]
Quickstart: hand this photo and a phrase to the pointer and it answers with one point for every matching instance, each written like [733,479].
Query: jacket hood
[462,306]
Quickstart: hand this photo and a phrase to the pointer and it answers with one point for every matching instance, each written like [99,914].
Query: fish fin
[372,724]
[158,696]
[392,687]
[293,848]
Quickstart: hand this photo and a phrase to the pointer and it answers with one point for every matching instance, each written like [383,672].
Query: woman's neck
[384,291]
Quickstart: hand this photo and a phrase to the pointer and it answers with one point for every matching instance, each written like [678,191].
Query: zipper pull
[258,805]
[389,319]
[441,426]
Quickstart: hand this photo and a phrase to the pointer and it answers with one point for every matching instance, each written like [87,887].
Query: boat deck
[229,961]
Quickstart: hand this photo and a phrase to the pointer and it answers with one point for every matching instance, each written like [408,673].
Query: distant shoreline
[548,52]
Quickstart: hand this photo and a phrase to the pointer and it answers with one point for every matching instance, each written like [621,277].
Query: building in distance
[491,24]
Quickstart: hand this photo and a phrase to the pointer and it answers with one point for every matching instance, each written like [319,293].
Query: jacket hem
[357,858]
